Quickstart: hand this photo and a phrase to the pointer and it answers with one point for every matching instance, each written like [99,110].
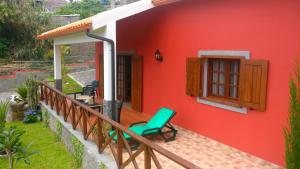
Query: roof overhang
[102,19]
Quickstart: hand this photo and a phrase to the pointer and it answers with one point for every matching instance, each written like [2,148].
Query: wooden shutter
[194,73]
[136,82]
[253,84]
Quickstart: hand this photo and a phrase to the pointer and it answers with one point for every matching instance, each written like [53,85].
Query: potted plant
[18,104]
[34,113]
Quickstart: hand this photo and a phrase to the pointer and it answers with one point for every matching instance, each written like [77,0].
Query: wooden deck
[129,116]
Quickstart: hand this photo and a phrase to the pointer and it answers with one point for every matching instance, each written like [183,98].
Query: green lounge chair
[154,126]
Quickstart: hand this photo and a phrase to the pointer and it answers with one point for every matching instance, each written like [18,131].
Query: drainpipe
[112,44]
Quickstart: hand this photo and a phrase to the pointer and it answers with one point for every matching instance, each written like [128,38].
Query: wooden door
[136,83]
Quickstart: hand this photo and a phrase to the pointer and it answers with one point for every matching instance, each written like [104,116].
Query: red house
[223,65]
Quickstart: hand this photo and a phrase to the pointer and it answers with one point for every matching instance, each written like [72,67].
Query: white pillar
[111,34]
[57,67]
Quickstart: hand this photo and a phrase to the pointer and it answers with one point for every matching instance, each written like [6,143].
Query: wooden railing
[92,125]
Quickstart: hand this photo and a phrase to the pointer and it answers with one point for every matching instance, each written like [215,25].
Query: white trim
[242,110]
[122,12]
[224,53]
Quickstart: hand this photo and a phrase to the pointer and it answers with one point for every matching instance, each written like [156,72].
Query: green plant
[45,117]
[58,131]
[292,132]
[22,91]
[10,142]
[102,166]
[3,111]
[78,152]
[32,86]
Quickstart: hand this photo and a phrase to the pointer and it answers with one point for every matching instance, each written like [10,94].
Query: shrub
[31,116]
[22,91]
[10,142]
[292,132]
[3,111]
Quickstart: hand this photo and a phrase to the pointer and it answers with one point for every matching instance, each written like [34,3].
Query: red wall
[269,29]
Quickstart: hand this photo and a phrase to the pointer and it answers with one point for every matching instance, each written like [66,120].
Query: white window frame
[223,53]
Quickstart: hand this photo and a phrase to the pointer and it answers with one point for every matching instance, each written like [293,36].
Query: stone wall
[91,159]
[7,84]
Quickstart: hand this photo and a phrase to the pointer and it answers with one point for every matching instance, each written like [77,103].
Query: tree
[292,132]
[20,23]
[85,8]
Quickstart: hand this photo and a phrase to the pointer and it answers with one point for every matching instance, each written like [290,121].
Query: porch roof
[106,17]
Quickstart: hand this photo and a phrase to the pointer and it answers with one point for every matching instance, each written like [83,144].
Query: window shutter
[194,76]
[253,84]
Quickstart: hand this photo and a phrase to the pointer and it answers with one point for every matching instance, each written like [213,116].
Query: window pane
[222,78]
[234,66]
[215,65]
[233,92]
[214,89]
[233,79]
[222,66]
[215,77]
[221,90]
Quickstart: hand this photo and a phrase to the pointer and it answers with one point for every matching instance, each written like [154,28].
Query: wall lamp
[158,56]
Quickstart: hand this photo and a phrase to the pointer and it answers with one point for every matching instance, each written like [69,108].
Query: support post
[57,67]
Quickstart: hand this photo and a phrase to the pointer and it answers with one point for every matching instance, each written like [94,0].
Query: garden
[25,138]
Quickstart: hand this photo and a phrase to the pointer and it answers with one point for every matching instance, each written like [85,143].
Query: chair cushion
[138,129]
[160,118]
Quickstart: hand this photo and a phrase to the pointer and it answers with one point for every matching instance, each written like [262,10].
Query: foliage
[32,86]
[10,142]
[102,166]
[3,110]
[58,131]
[22,91]
[52,155]
[78,152]
[31,116]
[20,23]
[292,132]
[45,117]
[85,8]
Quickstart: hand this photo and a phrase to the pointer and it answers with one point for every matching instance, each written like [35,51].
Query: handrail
[49,94]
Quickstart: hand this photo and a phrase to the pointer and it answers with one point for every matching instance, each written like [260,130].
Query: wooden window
[223,78]
[232,81]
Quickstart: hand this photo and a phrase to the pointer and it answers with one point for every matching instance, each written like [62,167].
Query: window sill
[222,103]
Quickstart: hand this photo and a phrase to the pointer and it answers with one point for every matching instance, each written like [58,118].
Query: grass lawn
[51,154]
[69,85]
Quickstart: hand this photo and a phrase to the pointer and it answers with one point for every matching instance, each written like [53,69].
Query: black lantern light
[158,56]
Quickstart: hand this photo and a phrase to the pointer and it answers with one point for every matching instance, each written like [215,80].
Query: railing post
[51,99]
[100,134]
[84,123]
[64,107]
[119,148]
[147,158]
[42,92]
[56,103]
[73,118]
[46,94]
